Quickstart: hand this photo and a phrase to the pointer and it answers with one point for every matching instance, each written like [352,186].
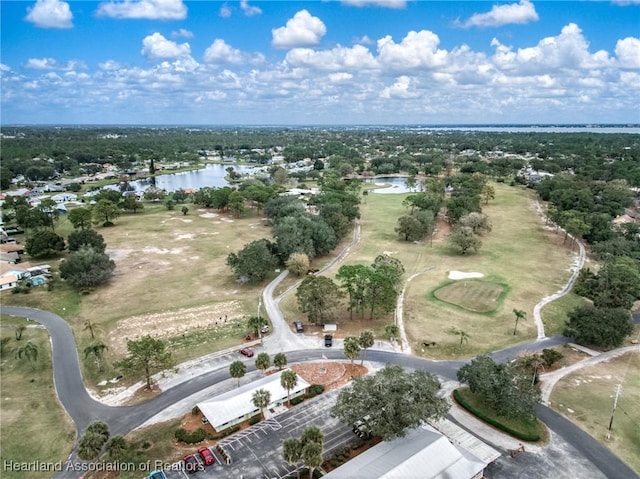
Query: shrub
[551,356]
[190,437]
[195,410]
[254,420]
[315,389]
[296,400]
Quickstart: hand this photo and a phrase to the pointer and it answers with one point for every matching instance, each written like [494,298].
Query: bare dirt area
[172,323]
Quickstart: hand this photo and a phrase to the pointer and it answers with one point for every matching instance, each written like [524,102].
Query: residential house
[8,282]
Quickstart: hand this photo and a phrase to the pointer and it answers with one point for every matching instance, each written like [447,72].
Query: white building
[424,453]
[236,406]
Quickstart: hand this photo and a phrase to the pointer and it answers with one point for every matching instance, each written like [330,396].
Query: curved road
[83,409]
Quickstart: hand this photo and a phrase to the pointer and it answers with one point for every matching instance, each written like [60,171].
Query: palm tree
[97,349]
[292,451]
[280,360]
[464,337]
[519,315]
[312,434]
[237,369]
[312,456]
[19,330]
[263,361]
[93,328]
[261,399]
[90,445]
[288,380]
[351,348]
[365,341]
[116,447]
[255,324]
[30,352]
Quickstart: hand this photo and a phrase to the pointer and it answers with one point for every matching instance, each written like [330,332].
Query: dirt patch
[143,395]
[443,228]
[172,323]
[331,375]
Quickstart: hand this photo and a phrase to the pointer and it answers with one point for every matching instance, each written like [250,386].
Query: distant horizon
[585,125]
[302,62]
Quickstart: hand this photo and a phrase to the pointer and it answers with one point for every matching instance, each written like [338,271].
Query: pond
[212,175]
[389,184]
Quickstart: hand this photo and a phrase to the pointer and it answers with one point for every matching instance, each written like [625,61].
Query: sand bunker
[461,275]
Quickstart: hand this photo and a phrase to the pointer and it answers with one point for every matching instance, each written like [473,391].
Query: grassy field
[586,398]
[511,255]
[473,295]
[34,425]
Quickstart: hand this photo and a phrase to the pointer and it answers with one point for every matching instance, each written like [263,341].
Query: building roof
[237,403]
[423,453]
[8,279]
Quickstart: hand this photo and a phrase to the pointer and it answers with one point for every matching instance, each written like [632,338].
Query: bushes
[254,420]
[314,390]
[296,400]
[524,436]
[194,437]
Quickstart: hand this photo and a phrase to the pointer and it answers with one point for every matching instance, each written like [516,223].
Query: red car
[246,352]
[192,463]
[206,455]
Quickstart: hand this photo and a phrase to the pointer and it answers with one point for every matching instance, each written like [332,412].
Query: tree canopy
[147,355]
[394,399]
[253,262]
[44,243]
[602,327]
[87,268]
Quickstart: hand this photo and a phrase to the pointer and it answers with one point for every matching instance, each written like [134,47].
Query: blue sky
[319,62]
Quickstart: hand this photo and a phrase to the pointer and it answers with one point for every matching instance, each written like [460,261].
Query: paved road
[121,419]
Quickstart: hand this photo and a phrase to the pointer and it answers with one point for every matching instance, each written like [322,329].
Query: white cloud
[376,3]
[628,53]
[182,33]
[569,50]
[149,9]
[225,11]
[50,14]
[338,58]
[519,13]
[303,30]
[109,65]
[401,89]
[625,3]
[221,52]
[157,47]
[52,64]
[417,50]
[341,77]
[249,10]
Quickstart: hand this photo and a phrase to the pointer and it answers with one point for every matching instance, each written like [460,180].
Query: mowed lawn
[33,424]
[473,295]
[586,398]
[520,253]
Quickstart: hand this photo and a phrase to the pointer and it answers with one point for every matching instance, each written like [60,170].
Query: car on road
[328,340]
[299,326]
[191,463]
[246,352]
[207,456]
[157,475]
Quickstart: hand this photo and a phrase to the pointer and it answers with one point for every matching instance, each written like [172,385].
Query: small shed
[8,282]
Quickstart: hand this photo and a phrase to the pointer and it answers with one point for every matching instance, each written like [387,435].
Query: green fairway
[473,295]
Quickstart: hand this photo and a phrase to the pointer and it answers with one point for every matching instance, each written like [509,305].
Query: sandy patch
[209,215]
[461,275]
[389,253]
[185,236]
[119,254]
[169,324]
[153,249]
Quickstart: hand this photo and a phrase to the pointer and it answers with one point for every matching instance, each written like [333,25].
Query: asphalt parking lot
[256,452]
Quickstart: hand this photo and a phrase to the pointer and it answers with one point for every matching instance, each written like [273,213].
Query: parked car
[246,352]
[361,428]
[157,475]
[191,463]
[328,340]
[207,456]
[299,326]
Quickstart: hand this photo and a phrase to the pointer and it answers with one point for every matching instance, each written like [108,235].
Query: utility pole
[615,404]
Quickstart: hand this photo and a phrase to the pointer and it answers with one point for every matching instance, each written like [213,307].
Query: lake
[211,175]
[396,184]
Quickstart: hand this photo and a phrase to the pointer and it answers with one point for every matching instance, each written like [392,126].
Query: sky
[323,62]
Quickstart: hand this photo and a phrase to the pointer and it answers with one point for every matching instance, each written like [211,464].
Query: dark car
[191,463]
[207,456]
[157,475]
[246,352]
[328,340]
[299,326]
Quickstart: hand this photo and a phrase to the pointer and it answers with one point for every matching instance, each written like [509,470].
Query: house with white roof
[236,406]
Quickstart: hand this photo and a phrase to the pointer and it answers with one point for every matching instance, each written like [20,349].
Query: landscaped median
[525,429]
